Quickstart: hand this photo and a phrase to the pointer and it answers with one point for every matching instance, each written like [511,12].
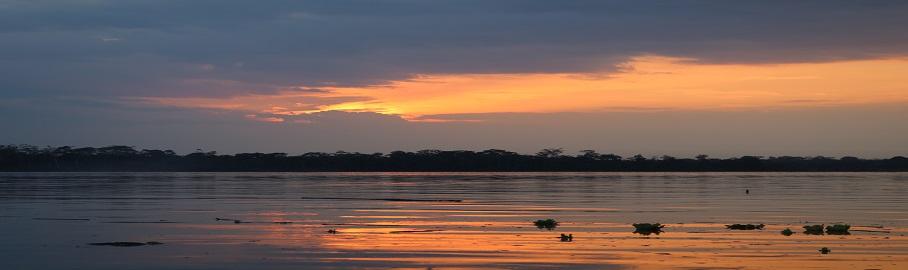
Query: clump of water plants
[567,238]
[825,250]
[236,221]
[813,229]
[745,226]
[548,224]
[787,232]
[838,229]
[648,228]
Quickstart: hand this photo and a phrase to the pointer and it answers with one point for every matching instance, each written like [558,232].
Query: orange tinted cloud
[644,83]
[265,119]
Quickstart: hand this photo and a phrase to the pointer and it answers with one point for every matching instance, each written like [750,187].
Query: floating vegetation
[787,232]
[813,229]
[648,228]
[745,226]
[825,250]
[838,229]
[548,224]
[835,229]
[567,238]
[235,221]
[126,244]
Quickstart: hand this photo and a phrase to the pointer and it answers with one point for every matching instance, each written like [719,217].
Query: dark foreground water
[449,220]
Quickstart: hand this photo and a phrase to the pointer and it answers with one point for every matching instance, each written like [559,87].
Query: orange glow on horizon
[643,83]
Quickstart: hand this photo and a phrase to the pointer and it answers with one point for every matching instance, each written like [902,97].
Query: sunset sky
[724,78]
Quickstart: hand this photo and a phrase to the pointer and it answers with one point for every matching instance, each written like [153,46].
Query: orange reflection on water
[706,246]
[449,236]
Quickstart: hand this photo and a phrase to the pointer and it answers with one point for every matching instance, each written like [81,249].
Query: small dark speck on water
[126,244]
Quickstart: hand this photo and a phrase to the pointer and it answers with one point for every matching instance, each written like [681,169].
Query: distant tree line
[126,158]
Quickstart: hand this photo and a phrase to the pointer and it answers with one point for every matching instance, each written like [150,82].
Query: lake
[449,220]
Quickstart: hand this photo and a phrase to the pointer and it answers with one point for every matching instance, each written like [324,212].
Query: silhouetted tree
[638,158]
[589,154]
[550,152]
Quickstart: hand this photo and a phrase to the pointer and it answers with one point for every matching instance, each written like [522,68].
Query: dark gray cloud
[166,48]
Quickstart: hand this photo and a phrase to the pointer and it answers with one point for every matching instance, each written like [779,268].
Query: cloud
[404,74]
[648,83]
[51,47]
[265,119]
[294,101]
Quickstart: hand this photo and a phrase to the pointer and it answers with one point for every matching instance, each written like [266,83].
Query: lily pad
[648,228]
[745,226]
[813,229]
[838,229]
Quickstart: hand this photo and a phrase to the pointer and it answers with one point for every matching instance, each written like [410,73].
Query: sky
[723,78]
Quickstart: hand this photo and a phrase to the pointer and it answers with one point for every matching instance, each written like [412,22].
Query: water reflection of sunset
[491,224]
[707,245]
[448,236]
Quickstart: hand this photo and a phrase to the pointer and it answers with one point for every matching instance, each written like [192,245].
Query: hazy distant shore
[128,159]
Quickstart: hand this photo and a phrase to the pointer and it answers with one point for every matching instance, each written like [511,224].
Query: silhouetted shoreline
[127,159]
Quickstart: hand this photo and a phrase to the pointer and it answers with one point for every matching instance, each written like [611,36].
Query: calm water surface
[449,220]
